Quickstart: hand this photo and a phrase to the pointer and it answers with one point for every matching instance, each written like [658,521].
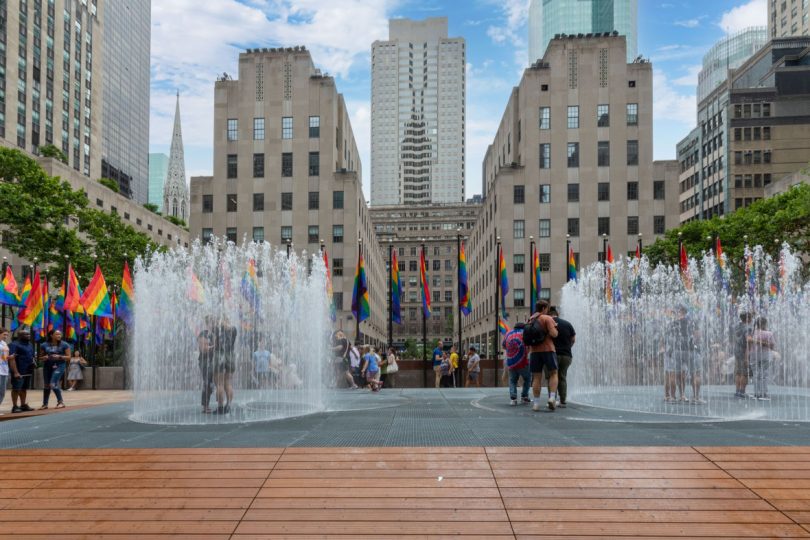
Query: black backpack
[534,333]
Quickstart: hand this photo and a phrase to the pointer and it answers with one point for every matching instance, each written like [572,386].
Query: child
[4,371]
[77,364]
[760,345]
[370,369]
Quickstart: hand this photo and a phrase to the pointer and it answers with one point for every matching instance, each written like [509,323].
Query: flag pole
[424,319]
[532,273]
[390,293]
[459,351]
[64,299]
[124,358]
[357,316]
[93,337]
[567,251]
[496,346]
[114,309]
[5,266]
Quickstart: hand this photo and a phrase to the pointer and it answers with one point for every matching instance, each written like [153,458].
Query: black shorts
[225,365]
[540,360]
[21,383]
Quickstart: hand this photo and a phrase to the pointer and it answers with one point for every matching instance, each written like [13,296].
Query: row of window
[286,128]
[313,235]
[313,201]
[752,110]
[232,165]
[603,192]
[602,116]
[603,226]
[752,157]
[602,154]
[752,134]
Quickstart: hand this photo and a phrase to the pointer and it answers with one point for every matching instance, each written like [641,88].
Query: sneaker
[525,400]
[512,402]
[25,408]
[552,404]
[561,404]
[765,398]
[536,406]
[16,409]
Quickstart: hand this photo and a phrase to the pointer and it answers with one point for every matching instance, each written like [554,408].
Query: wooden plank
[379,492]
[113,536]
[631,493]
[141,458]
[552,503]
[129,514]
[788,474]
[62,493]
[375,536]
[138,503]
[556,464]
[106,483]
[783,493]
[764,465]
[374,528]
[556,483]
[352,483]
[788,505]
[456,450]
[90,475]
[607,473]
[800,517]
[368,466]
[687,530]
[752,449]
[390,514]
[404,504]
[650,516]
[388,458]
[87,452]
[569,450]
[382,473]
[57,528]
[797,483]
[751,458]
[167,466]
[594,456]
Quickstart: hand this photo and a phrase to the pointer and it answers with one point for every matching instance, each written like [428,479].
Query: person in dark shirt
[22,365]
[225,339]
[205,345]
[566,337]
[56,355]
[742,366]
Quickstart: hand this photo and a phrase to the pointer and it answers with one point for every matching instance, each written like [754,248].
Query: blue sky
[195,40]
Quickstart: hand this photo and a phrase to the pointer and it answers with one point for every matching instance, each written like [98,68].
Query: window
[286,234]
[520,298]
[766,109]
[233,129]
[231,202]
[573,116]
[545,228]
[258,129]
[448,296]
[413,251]
[258,165]
[287,164]
[412,266]
[603,191]
[573,226]
[632,191]
[632,152]
[573,154]
[337,267]
[286,127]
[207,204]
[206,235]
[659,191]
[258,202]
[230,234]
[544,259]
[314,127]
[287,201]
[314,200]
[603,154]
[337,234]
[519,194]
[766,133]
[632,114]
[632,224]
[545,193]
[603,226]
[258,234]
[232,170]
[314,163]
[545,118]
[337,200]
[437,265]
[659,226]
[545,156]
[602,115]
[337,298]
[313,237]
[518,228]
[573,192]
[518,262]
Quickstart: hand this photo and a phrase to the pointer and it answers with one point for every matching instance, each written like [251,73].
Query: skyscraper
[728,53]
[158,169]
[787,19]
[125,124]
[175,190]
[550,17]
[417,114]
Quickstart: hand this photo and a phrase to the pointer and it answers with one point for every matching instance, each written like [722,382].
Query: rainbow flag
[250,286]
[124,307]
[718,254]
[70,329]
[423,285]
[503,326]
[96,299]
[396,289]
[329,293]
[464,298]
[73,295]
[572,265]
[33,312]
[537,281]
[360,307]
[26,291]
[750,272]
[196,291]
[637,273]
[54,315]
[683,264]
[504,280]
[609,275]
[9,294]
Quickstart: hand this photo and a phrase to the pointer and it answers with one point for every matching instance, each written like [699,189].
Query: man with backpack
[517,364]
[566,336]
[538,336]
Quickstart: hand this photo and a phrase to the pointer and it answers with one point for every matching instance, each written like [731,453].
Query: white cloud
[515,14]
[751,13]
[360,115]
[670,105]
[691,77]
[688,23]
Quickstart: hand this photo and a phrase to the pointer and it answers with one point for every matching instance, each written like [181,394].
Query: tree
[110,183]
[411,349]
[50,150]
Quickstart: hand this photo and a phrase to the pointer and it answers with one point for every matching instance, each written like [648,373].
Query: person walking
[370,369]
[4,369]
[538,335]
[742,366]
[75,369]
[438,355]
[343,358]
[22,365]
[454,367]
[56,355]
[391,368]
[516,365]
[473,369]
[760,345]
[566,337]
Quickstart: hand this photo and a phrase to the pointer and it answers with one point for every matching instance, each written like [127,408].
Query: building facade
[175,190]
[788,18]
[125,96]
[158,169]
[418,96]
[571,161]
[52,81]
[440,227]
[287,170]
[728,53]
[548,18]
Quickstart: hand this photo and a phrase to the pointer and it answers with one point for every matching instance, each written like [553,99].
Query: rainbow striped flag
[329,292]
[423,285]
[96,299]
[360,306]
[464,298]
[73,294]
[504,280]
[396,289]
[637,273]
[33,312]
[250,285]
[54,315]
[9,294]
[750,272]
[125,302]
[26,291]
[572,265]
[683,263]
[196,291]
[537,281]
[503,326]
[609,275]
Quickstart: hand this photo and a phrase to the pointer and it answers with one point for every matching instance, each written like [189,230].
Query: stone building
[175,190]
[788,18]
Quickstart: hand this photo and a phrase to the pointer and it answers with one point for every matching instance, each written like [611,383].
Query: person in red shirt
[543,356]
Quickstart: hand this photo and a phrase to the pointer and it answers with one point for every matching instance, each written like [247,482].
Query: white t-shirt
[3,358]
[354,357]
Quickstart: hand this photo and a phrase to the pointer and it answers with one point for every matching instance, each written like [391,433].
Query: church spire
[175,190]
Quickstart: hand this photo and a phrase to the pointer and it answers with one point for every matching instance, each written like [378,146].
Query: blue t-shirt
[372,363]
[23,355]
[60,349]
[437,353]
[262,359]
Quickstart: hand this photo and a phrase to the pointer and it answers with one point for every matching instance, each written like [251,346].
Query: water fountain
[272,300]
[625,316]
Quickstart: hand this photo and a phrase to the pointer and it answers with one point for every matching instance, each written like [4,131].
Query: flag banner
[96,299]
[423,285]
[125,301]
[503,327]
[537,283]
[360,307]
[73,295]
[196,291]
[329,292]
[504,280]
[33,311]
[464,298]
[9,294]
[250,286]
[683,263]
[396,290]
[572,265]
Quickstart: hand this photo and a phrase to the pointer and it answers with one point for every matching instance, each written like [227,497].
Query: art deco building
[788,18]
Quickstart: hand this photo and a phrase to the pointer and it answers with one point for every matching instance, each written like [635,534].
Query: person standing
[391,368]
[538,335]
[742,367]
[22,365]
[516,365]
[77,364]
[205,360]
[4,369]
[454,367]
[438,355]
[56,355]
[343,359]
[261,363]
[760,345]
[225,339]
[473,368]
[566,337]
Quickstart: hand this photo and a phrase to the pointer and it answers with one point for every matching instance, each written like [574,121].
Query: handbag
[392,367]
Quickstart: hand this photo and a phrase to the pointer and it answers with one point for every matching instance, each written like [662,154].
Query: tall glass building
[158,169]
[125,101]
[728,53]
[550,17]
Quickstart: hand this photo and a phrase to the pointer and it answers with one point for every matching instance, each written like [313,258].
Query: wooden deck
[253,493]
